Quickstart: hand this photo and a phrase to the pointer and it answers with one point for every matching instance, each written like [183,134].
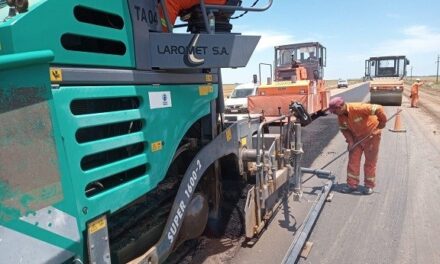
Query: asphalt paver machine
[112,144]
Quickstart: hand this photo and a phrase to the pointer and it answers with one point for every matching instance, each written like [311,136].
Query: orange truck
[298,77]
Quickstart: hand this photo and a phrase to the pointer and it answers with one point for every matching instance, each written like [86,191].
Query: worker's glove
[375,132]
[381,125]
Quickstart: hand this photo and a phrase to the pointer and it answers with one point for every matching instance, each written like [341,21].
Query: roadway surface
[398,223]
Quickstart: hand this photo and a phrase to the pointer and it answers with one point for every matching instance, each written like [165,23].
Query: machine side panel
[29,165]
[120,139]
[77,32]
[173,51]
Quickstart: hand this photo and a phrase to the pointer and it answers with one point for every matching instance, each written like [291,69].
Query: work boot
[368,190]
[348,189]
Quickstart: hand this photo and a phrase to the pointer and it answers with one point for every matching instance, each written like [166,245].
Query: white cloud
[269,39]
[418,30]
[264,53]
[418,39]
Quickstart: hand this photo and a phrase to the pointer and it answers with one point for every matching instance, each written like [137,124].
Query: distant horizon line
[348,79]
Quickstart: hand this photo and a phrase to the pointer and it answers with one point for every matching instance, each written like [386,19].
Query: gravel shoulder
[429,99]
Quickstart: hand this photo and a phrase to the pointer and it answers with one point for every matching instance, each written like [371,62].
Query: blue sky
[351,30]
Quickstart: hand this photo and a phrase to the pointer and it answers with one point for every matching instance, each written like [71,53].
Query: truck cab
[310,55]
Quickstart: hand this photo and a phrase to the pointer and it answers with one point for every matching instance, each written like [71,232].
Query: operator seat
[194,16]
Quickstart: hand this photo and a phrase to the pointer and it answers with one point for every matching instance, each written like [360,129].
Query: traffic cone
[397,124]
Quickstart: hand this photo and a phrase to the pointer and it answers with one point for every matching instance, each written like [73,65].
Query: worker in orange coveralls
[174,7]
[357,121]
[415,92]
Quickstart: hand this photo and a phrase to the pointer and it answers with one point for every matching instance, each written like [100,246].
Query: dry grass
[228,88]
[430,83]
[331,83]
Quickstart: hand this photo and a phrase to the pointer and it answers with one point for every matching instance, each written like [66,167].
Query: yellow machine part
[388,92]
[302,87]
[285,87]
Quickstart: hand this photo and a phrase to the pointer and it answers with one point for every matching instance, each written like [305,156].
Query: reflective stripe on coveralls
[352,180]
[370,148]
[373,109]
[360,121]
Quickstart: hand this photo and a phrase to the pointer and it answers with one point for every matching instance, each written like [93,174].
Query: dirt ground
[429,96]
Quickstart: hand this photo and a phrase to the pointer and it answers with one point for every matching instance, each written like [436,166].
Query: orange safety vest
[361,119]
